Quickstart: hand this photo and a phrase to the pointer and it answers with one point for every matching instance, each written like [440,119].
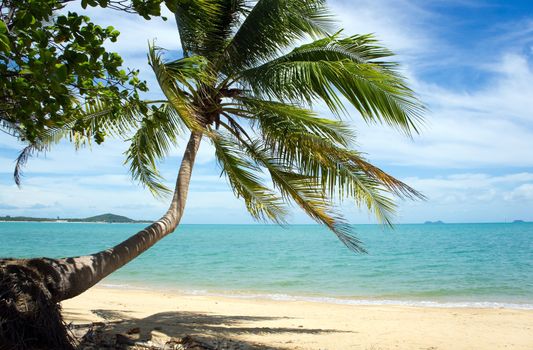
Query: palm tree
[246,83]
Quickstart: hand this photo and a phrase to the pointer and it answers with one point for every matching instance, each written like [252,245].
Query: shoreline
[295,324]
[70,222]
[326,299]
[519,222]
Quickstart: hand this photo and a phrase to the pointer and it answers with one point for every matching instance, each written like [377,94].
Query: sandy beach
[305,325]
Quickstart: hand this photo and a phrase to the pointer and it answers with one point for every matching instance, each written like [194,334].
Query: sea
[434,265]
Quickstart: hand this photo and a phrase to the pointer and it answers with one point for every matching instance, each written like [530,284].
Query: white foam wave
[376,302]
[340,301]
[124,286]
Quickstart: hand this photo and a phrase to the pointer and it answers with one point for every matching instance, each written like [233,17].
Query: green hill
[23,218]
[108,218]
[112,218]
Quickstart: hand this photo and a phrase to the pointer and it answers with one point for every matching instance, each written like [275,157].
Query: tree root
[29,317]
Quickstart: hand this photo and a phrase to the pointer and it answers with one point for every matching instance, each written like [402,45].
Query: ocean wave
[123,286]
[377,302]
[339,301]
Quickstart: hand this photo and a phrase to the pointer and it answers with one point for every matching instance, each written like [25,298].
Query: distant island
[433,222]
[106,218]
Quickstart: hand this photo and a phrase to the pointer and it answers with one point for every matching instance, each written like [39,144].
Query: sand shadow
[205,326]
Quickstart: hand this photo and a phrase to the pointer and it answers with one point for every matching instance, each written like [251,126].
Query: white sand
[307,325]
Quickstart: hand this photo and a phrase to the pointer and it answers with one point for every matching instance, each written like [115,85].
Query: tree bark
[31,289]
[77,274]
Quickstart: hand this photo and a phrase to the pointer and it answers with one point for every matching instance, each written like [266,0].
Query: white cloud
[469,126]
[521,193]
[395,23]
[457,197]
[470,130]
[506,96]
[88,195]
[469,197]
[467,183]
[492,126]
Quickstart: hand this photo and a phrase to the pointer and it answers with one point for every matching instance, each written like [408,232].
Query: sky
[470,62]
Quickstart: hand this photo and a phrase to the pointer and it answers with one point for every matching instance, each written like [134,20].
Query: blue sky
[471,62]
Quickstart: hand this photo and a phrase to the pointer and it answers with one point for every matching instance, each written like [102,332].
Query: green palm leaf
[330,68]
[23,157]
[307,192]
[169,76]
[292,135]
[242,174]
[272,25]
[285,119]
[205,25]
[153,140]
[97,119]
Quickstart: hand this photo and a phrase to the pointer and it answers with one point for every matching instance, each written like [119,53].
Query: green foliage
[242,174]
[270,27]
[174,78]
[205,25]
[155,136]
[109,218]
[333,67]
[245,85]
[5,46]
[145,8]
[51,65]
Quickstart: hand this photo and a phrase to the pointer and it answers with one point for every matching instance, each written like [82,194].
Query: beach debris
[135,330]
[125,339]
[104,336]
[97,336]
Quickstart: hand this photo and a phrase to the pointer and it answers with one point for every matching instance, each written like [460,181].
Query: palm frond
[94,117]
[170,75]
[22,159]
[285,120]
[152,141]
[307,192]
[204,26]
[194,19]
[271,26]
[9,128]
[230,15]
[345,173]
[99,117]
[356,48]
[261,202]
[291,135]
[330,68]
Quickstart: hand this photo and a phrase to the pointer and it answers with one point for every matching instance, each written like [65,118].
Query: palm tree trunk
[81,273]
[30,289]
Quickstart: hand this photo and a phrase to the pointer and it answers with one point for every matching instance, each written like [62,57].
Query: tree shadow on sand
[213,329]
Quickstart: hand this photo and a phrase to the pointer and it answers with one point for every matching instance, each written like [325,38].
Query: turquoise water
[450,264]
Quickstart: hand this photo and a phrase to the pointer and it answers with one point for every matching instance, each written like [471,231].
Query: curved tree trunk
[80,273]
[31,288]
